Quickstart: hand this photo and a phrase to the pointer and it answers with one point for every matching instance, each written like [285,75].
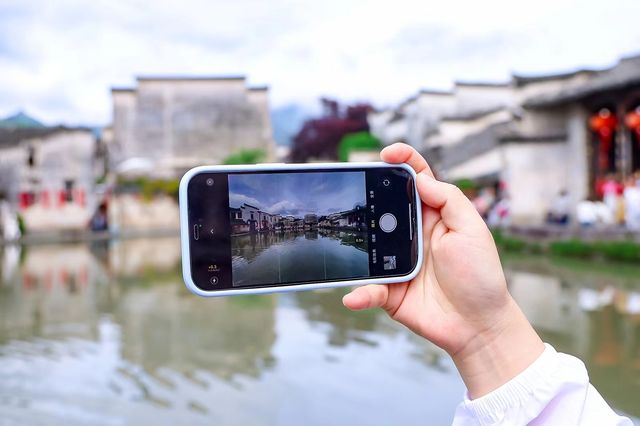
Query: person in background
[499,216]
[587,213]
[560,208]
[460,302]
[631,197]
[100,219]
[9,227]
[611,190]
[484,201]
[603,214]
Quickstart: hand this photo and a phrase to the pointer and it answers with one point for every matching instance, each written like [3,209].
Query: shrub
[618,250]
[514,244]
[624,251]
[360,141]
[465,184]
[510,243]
[573,248]
[151,187]
[247,156]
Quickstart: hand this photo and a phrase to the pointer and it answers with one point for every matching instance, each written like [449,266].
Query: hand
[459,300]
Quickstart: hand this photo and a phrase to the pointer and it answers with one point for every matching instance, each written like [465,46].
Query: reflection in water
[312,255]
[325,307]
[590,314]
[107,334]
[113,337]
[163,328]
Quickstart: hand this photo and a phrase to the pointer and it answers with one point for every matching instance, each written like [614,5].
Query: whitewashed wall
[178,124]
[534,173]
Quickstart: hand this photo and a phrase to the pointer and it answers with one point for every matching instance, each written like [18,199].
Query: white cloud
[58,59]
[285,207]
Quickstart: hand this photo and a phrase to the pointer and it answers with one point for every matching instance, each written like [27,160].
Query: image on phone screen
[293,227]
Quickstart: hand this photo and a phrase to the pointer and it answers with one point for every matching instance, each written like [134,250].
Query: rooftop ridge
[123,89]
[189,78]
[481,83]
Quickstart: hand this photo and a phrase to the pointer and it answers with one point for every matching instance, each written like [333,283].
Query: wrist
[498,354]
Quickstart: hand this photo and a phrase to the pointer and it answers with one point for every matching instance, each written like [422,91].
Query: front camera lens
[210,182]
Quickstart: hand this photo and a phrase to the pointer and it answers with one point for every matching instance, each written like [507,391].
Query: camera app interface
[277,228]
[297,227]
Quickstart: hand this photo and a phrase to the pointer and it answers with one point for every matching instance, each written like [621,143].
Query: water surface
[107,335]
[312,255]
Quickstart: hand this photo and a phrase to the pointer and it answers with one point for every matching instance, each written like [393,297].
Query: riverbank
[612,244]
[86,236]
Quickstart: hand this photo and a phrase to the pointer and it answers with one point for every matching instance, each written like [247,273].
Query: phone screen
[260,229]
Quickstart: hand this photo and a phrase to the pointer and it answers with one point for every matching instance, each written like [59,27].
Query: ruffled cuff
[524,397]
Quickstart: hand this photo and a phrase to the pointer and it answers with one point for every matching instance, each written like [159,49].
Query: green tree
[246,156]
[359,141]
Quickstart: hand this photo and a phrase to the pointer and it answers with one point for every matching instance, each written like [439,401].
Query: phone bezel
[185,234]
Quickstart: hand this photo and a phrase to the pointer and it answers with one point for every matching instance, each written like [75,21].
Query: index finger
[403,153]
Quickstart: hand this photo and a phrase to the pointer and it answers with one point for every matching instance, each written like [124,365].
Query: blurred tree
[319,138]
[360,141]
[247,156]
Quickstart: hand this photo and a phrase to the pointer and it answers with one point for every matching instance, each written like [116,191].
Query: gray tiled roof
[624,75]
[12,137]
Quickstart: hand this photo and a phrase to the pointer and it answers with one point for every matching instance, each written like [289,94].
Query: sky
[59,58]
[299,193]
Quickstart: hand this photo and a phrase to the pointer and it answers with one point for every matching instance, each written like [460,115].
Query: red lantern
[632,121]
[604,124]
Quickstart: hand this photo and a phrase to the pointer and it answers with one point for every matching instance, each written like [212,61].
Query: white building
[49,175]
[251,216]
[531,137]
[166,125]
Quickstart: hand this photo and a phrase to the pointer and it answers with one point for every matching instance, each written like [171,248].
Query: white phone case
[269,167]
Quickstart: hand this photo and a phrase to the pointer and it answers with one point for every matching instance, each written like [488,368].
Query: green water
[107,335]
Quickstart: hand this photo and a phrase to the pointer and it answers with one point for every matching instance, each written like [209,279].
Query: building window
[31,156]
[68,191]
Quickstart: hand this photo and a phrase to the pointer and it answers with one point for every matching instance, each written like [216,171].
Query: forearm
[497,355]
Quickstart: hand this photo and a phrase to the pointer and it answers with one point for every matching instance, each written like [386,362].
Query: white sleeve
[554,390]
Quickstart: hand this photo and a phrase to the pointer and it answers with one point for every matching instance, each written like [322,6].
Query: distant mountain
[287,121]
[20,121]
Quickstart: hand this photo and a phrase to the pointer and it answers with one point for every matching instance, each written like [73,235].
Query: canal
[281,257]
[106,334]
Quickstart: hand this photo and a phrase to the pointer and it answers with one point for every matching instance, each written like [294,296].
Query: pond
[106,334]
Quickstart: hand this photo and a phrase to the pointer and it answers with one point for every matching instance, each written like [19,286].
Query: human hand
[459,300]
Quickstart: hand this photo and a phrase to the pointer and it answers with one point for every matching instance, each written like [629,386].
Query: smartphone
[284,227]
